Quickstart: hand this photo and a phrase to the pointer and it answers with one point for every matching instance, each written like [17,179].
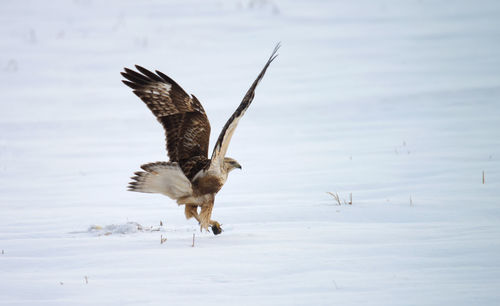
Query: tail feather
[161,177]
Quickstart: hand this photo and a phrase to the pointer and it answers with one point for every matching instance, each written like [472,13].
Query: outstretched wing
[186,125]
[222,144]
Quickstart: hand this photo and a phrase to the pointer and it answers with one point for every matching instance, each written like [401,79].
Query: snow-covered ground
[395,102]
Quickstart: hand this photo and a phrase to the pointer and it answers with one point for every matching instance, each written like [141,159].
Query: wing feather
[222,143]
[186,125]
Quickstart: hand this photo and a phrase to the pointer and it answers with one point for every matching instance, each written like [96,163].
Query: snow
[394,102]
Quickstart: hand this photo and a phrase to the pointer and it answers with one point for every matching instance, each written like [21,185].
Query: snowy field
[396,103]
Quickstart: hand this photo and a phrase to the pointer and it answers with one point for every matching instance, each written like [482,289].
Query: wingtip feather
[275,54]
[130,84]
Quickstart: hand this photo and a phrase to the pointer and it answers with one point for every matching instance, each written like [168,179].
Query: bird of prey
[189,177]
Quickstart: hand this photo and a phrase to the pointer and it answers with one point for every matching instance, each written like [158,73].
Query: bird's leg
[205,221]
[191,211]
[205,213]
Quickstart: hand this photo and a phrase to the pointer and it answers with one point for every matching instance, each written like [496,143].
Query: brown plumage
[189,177]
[186,125]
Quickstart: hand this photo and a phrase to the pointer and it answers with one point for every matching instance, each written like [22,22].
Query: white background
[394,102]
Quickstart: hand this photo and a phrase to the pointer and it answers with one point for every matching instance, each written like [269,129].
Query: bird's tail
[161,177]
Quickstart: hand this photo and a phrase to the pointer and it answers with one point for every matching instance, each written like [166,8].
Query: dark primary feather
[226,133]
[186,125]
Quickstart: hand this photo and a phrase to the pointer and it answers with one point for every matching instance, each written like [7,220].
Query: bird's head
[230,164]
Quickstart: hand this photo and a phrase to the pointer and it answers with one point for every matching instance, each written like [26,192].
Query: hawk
[189,177]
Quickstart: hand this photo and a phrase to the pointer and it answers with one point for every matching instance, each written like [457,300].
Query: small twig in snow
[335,197]
[340,201]
[162,240]
[193,242]
[335,283]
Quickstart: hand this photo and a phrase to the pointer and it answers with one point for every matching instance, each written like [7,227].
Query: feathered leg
[205,221]
[191,211]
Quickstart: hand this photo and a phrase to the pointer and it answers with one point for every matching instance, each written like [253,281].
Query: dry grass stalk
[193,242]
[162,240]
[340,201]
[335,197]
[335,283]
